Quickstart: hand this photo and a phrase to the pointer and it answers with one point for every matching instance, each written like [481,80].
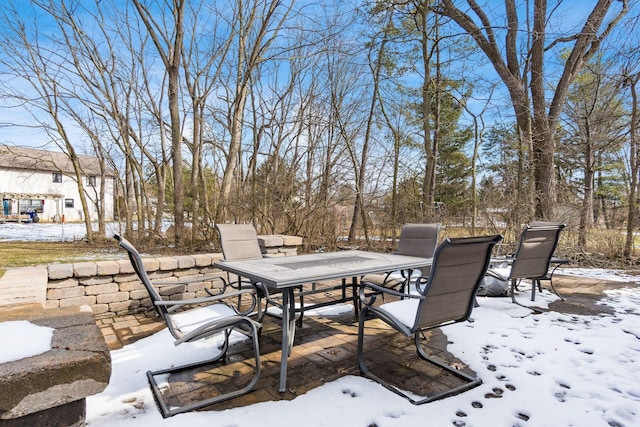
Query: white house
[45,182]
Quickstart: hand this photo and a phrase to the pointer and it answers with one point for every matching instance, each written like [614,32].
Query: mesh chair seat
[188,321]
[404,310]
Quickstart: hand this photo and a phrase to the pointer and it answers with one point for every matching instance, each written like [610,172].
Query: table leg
[354,295]
[288,334]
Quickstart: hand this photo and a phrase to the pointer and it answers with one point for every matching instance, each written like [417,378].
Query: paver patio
[325,349]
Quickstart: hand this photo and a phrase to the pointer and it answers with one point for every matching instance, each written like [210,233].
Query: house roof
[22,196]
[42,160]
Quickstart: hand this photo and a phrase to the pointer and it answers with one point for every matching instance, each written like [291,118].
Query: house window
[68,203]
[91,181]
[31,205]
[57,177]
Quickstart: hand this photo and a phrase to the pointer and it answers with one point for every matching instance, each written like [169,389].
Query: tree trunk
[171,59]
[632,214]
[542,137]
[543,121]
[430,155]
[586,212]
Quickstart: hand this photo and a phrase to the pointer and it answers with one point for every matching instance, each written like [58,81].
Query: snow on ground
[548,369]
[48,231]
[603,274]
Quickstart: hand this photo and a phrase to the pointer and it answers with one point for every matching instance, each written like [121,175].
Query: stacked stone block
[111,288]
[277,245]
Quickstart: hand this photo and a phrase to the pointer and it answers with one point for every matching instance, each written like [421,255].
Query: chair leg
[513,297]
[405,287]
[513,291]
[354,296]
[219,359]
[259,310]
[549,277]
[553,287]
[469,381]
[534,284]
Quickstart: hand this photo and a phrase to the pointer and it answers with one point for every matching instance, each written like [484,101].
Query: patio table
[285,273]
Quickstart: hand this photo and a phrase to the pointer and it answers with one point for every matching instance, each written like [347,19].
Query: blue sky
[570,16]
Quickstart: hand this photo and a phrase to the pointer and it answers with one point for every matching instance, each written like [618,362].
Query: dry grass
[604,250]
[21,254]
[27,253]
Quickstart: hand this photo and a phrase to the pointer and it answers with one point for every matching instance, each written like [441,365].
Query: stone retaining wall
[111,288]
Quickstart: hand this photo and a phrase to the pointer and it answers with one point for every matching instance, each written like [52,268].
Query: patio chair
[418,240]
[444,297]
[240,243]
[531,261]
[211,316]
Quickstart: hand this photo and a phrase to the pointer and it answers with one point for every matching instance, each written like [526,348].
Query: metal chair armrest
[497,275]
[195,280]
[369,299]
[175,304]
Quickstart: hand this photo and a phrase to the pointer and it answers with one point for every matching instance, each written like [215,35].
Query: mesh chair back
[239,242]
[419,240]
[138,267]
[459,266]
[537,244]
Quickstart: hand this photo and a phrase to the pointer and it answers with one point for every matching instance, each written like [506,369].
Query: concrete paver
[23,285]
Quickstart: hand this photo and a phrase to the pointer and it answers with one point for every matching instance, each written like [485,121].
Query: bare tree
[594,110]
[169,45]
[479,128]
[111,97]
[257,28]
[39,61]
[536,120]
[430,141]
[376,57]
[202,64]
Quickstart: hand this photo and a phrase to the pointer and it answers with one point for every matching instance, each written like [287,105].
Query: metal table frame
[285,273]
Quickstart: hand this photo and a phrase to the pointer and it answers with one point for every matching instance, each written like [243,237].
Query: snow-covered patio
[549,369]
[557,368]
